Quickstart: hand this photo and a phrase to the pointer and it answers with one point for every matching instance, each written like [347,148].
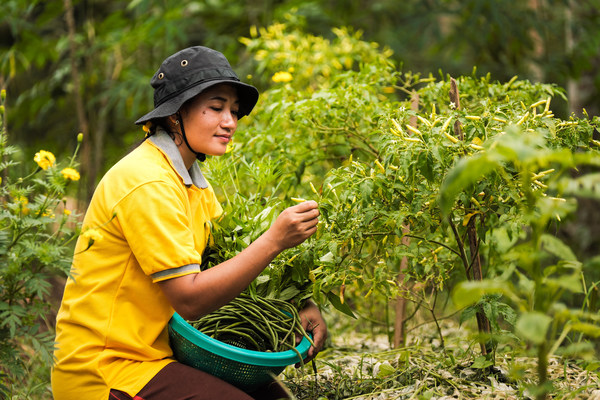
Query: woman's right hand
[295,224]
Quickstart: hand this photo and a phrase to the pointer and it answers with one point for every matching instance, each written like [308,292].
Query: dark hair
[159,122]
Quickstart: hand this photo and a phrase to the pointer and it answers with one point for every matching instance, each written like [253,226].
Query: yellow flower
[92,235]
[44,159]
[22,199]
[66,212]
[230,146]
[48,213]
[282,76]
[70,173]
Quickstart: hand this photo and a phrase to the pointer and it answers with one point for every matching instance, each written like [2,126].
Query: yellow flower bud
[3,95]
[80,138]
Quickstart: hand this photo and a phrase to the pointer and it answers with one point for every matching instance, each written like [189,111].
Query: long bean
[255,323]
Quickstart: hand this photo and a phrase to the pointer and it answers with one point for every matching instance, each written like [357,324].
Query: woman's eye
[219,109]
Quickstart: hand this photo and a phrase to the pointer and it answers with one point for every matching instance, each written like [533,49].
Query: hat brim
[248,96]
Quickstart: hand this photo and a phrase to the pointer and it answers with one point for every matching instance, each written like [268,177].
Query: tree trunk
[400,309]
[474,267]
[537,71]
[573,89]
[86,148]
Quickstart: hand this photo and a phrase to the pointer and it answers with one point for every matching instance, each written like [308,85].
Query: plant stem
[437,324]
[461,247]
[483,324]
[542,370]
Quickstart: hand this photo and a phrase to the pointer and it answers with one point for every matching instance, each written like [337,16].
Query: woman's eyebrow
[223,99]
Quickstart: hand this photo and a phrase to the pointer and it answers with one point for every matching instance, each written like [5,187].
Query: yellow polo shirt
[111,330]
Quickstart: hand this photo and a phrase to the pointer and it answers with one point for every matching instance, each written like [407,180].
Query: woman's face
[210,120]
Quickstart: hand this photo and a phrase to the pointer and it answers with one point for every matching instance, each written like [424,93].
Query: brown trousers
[180,382]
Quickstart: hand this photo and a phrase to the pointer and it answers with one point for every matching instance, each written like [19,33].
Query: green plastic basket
[245,369]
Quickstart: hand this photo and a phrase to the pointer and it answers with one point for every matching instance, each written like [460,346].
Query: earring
[176,122]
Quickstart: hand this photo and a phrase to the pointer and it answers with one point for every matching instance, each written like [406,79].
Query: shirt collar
[163,141]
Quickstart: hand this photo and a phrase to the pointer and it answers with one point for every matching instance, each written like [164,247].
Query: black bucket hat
[187,73]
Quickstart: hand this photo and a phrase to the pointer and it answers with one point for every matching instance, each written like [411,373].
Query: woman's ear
[173,120]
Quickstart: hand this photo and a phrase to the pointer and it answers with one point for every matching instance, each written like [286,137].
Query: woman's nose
[229,120]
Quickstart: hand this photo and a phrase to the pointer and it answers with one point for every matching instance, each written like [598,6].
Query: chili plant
[539,269]
[381,152]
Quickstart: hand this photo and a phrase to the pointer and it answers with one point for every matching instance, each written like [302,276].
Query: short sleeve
[157,223]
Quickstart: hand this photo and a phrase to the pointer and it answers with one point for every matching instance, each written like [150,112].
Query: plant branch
[461,247]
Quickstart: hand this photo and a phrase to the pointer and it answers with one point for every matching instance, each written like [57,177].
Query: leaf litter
[361,366]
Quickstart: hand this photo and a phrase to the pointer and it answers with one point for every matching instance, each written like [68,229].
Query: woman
[153,210]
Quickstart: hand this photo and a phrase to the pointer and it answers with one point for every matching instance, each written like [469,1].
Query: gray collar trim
[194,176]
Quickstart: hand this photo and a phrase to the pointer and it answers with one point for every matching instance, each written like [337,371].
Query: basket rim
[260,358]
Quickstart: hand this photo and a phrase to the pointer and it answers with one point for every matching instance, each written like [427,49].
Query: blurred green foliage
[119,44]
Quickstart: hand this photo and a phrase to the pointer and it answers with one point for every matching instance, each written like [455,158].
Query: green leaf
[557,247]
[569,282]
[343,307]
[465,173]
[584,186]
[289,293]
[508,313]
[482,362]
[327,258]
[533,326]
[468,313]
[385,369]
[587,329]
[425,163]
[468,293]
[592,366]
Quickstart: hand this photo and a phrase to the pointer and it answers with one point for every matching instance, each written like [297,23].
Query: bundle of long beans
[254,323]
